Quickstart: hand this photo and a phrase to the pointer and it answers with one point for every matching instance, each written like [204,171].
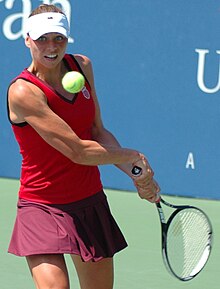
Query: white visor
[48,22]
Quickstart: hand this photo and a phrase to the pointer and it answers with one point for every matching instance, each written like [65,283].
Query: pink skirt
[86,228]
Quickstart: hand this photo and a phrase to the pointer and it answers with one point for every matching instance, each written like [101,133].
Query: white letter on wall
[201,71]
[190,161]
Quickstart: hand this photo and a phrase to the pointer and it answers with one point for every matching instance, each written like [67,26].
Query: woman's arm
[28,103]
[146,186]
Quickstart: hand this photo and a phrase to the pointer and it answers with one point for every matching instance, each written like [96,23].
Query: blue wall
[157,76]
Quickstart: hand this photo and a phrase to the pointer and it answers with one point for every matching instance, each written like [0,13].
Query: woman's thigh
[49,271]
[94,275]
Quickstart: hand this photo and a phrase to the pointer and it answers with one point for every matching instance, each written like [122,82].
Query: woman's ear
[27,41]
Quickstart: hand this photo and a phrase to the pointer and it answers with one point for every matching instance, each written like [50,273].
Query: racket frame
[136,171]
[164,229]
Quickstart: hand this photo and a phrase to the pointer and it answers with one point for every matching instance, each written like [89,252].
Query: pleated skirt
[85,228]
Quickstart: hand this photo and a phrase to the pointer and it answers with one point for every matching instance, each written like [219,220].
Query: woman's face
[48,50]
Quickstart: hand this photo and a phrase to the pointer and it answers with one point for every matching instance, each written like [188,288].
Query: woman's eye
[42,38]
[59,38]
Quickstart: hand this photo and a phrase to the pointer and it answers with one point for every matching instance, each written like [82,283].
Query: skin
[28,103]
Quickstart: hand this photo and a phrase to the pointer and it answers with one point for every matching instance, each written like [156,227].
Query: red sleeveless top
[47,176]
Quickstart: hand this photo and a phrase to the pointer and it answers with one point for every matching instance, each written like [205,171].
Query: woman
[62,207]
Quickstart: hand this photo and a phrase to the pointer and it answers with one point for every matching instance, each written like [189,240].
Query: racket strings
[188,242]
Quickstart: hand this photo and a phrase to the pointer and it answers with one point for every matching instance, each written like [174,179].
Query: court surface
[140,266]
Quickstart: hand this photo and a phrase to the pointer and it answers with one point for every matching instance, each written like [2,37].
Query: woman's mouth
[51,56]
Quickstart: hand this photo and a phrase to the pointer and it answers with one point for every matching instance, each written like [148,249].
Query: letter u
[201,69]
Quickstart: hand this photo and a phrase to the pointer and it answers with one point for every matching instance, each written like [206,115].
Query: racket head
[186,242]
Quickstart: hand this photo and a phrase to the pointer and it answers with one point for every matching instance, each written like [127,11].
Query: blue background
[145,63]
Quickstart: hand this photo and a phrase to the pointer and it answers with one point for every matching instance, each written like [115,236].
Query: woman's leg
[48,271]
[94,275]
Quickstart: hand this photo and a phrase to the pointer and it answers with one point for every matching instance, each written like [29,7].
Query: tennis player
[62,208]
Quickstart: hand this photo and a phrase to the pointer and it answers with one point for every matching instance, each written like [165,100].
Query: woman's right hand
[149,192]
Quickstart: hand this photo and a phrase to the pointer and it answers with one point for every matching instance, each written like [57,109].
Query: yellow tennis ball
[73,81]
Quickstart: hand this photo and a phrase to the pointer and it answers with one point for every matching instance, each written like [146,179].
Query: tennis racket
[186,238]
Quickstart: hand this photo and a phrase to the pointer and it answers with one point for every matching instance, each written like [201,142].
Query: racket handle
[136,171]
[158,199]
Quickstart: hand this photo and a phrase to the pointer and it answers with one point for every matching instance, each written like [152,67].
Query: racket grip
[136,171]
[158,199]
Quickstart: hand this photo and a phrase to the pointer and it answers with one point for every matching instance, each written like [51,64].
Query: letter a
[190,161]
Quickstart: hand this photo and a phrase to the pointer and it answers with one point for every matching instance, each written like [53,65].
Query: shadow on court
[140,266]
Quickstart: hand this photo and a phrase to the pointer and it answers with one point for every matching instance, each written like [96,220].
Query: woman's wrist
[138,165]
[139,161]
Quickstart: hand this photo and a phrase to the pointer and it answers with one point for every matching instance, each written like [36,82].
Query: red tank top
[47,176]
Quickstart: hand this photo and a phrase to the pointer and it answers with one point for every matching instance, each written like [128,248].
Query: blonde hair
[44,8]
